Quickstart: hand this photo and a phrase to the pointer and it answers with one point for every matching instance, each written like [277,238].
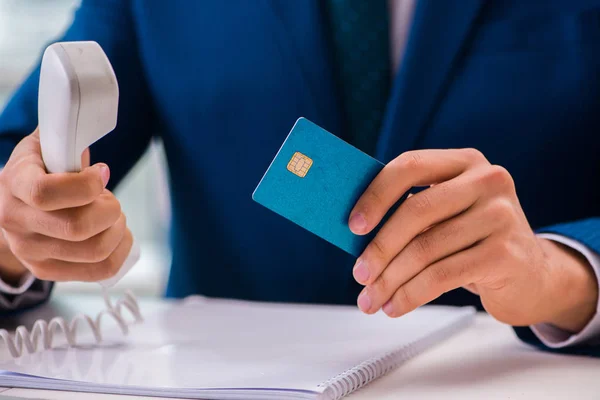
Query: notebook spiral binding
[359,376]
[43,332]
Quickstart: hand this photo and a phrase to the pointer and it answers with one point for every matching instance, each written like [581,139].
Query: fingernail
[388,308]
[358,223]
[361,271]
[364,301]
[105,174]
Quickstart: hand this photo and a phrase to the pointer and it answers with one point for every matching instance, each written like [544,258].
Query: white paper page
[205,343]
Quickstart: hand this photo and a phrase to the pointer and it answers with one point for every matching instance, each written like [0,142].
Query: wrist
[572,294]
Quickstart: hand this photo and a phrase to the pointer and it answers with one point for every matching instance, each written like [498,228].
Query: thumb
[97,170]
[49,192]
[76,189]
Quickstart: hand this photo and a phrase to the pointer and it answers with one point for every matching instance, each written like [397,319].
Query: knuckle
[499,177]
[446,232]
[501,210]
[405,298]
[55,249]
[418,205]
[465,270]
[437,275]
[377,195]
[39,193]
[76,227]
[20,247]
[410,160]
[378,248]
[102,250]
[421,248]
[499,250]
[506,248]
[473,155]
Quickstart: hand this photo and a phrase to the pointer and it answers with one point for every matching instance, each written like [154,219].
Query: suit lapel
[439,29]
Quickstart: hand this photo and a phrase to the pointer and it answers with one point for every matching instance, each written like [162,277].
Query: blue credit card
[315,180]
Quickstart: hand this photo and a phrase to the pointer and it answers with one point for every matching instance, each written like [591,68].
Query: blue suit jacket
[222,83]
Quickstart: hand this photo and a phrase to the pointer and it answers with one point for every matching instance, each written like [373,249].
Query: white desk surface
[484,361]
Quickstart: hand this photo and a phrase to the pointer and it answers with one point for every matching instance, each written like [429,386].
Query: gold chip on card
[299,164]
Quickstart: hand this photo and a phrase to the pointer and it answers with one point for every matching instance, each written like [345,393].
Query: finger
[62,271]
[49,192]
[458,270]
[413,168]
[441,241]
[85,158]
[41,248]
[421,211]
[28,148]
[72,224]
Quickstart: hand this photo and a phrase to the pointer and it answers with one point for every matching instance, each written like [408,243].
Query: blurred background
[26,28]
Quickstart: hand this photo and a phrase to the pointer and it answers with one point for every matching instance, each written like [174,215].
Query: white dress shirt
[30,291]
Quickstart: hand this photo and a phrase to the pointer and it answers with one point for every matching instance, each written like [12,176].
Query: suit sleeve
[111,24]
[586,232]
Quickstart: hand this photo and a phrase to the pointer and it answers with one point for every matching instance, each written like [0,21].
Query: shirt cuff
[24,285]
[38,292]
[556,338]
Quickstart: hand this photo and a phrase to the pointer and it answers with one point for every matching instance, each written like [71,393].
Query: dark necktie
[360,39]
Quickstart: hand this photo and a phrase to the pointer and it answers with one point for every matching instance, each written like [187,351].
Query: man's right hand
[60,227]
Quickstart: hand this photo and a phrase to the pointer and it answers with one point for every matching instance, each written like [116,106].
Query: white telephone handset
[78,102]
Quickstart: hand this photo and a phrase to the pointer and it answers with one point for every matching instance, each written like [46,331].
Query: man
[221,83]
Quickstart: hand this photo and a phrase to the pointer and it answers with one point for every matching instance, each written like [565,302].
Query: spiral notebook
[224,349]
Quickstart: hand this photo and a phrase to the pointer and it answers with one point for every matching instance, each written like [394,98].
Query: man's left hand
[466,229]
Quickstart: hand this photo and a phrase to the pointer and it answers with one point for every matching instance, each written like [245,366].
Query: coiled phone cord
[43,332]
